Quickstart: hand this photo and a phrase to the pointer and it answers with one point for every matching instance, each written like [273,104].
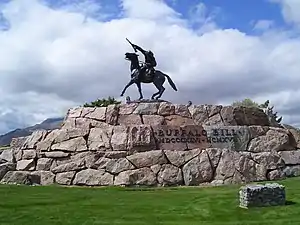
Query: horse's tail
[170,81]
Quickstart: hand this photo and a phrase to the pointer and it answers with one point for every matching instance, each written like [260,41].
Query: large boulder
[142,177]
[91,177]
[7,156]
[5,167]
[20,177]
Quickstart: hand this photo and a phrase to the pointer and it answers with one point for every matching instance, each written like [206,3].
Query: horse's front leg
[138,84]
[127,86]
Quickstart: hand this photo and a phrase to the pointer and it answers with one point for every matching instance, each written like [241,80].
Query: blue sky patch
[242,15]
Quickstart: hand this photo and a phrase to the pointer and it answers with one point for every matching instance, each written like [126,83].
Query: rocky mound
[154,144]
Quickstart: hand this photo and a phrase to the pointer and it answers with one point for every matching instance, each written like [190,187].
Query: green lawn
[24,205]
[4,148]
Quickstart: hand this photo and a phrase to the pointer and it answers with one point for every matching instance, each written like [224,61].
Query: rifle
[131,45]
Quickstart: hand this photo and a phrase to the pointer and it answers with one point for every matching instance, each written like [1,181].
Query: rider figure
[150,61]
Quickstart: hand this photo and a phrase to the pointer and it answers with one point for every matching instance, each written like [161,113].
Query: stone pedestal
[270,194]
[154,144]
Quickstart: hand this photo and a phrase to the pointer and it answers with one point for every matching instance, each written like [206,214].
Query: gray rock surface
[270,194]
[91,177]
[65,178]
[7,156]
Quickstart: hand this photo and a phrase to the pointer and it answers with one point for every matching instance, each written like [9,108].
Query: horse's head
[131,56]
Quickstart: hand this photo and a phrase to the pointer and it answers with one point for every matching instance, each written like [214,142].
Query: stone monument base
[154,144]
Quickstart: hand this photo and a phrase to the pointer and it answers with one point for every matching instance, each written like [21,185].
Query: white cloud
[263,25]
[290,10]
[30,107]
[50,60]
[202,18]
[148,9]
[89,8]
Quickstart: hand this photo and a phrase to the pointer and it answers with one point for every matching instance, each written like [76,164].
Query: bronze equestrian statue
[146,73]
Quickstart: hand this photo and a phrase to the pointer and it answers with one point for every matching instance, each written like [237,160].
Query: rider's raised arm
[140,49]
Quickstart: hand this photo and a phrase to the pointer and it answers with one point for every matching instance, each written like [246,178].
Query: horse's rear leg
[159,85]
[158,81]
[156,93]
[161,91]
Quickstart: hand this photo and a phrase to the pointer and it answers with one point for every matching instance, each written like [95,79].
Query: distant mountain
[48,124]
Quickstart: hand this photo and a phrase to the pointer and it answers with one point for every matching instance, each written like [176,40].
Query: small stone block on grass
[259,195]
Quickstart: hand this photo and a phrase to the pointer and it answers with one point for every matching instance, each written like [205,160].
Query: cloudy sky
[56,54]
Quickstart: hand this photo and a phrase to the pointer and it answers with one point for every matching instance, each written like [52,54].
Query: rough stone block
[27,165]
[7,156]
[4,168]
[143,176]
[270,194]
[19,177]
[29,154]
[230,137]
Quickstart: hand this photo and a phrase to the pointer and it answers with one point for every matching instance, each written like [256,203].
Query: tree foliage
[247,102]
[102,102]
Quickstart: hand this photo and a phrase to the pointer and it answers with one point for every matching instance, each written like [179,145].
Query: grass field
[4,148]
[24,205]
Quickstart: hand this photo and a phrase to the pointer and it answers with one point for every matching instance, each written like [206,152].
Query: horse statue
[139,76]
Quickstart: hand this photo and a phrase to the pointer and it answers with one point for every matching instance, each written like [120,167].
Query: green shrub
[102,102]
[247,102]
